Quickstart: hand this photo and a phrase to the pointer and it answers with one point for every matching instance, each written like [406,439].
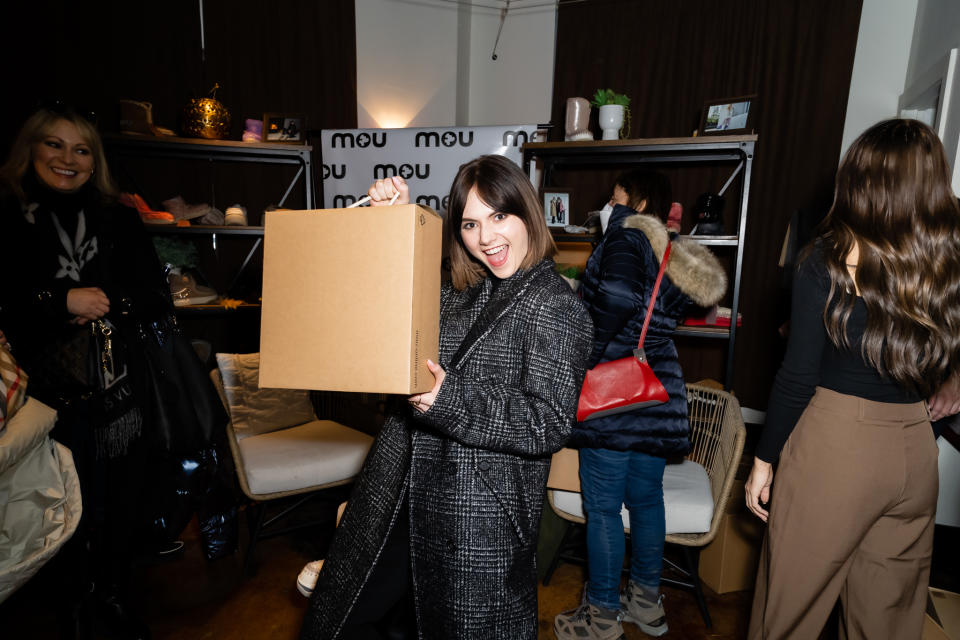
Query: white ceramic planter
[611,119]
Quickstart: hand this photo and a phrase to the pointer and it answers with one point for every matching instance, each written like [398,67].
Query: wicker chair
[297,455]
[717,434]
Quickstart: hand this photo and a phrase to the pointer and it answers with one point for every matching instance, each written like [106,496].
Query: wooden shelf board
[137,140]
[703,331]
[197,229]
[216,308]
[602,144]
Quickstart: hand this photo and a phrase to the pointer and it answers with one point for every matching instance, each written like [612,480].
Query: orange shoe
[148,215]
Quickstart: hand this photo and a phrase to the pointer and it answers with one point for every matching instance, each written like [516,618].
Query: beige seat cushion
[253,410]
[316,453]
[687,499]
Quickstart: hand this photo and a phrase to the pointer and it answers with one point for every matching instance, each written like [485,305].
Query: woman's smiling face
[62,159]
[498,240]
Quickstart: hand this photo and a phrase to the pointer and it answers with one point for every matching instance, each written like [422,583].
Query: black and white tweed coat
[474,466]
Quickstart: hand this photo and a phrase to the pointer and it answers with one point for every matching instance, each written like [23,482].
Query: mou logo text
[445,139]
[515,138]
[405,171]
[434,202]
[335,171]
[363,140]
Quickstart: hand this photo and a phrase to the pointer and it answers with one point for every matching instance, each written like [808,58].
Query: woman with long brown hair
[875,329]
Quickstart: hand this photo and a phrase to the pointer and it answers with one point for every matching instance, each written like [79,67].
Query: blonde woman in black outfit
[875,324]
[75,258]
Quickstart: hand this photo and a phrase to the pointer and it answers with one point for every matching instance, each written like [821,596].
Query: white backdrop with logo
[427,158]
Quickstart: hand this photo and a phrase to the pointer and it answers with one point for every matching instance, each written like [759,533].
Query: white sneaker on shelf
[307,579]
[235,215]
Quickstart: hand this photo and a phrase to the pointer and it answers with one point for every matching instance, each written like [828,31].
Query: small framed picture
[283,127]
[726,116]
[556,206]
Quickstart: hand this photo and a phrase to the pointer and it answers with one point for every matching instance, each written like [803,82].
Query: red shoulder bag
[625,384]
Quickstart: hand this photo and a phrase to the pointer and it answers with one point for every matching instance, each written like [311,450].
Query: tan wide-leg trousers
[852,516]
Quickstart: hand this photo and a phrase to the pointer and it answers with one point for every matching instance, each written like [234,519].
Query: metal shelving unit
[122,147]
[661,152]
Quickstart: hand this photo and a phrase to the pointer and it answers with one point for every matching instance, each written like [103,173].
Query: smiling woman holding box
[447,507]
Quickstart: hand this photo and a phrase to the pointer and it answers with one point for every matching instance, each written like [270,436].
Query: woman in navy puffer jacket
[622,456]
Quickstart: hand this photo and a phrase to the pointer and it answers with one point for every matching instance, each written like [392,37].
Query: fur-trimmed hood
[692,267]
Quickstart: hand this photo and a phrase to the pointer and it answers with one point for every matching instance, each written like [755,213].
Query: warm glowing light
[391,107]
[380,114]
[392,120]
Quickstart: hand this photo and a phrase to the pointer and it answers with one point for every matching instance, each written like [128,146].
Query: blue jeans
[608,480]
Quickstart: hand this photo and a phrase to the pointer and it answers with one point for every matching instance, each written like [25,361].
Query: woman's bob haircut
[503,187]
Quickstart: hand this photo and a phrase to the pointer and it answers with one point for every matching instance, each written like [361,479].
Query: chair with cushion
[695,491]
[279,447]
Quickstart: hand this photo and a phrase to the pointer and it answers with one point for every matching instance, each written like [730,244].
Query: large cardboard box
[729,562]
[351,299]
[942,619]
[565,471]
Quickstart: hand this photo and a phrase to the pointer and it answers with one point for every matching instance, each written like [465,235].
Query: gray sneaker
[588,622]
[649,616]
[185,290]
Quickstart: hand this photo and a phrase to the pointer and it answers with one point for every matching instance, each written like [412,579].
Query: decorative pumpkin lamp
[206,117]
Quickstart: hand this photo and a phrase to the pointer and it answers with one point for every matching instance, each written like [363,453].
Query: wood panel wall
[671,57]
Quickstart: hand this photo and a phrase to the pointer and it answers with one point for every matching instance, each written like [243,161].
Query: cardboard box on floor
[351,299]
[942,619]
[729,562]
[565,471]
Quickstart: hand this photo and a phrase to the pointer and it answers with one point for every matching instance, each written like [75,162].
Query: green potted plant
[614,109]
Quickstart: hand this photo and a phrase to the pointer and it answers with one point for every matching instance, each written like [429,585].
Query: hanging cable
[203,39]
[203,55]
[503,18]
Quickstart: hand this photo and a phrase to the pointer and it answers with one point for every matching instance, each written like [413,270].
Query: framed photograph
[727,116]
[556,206]
[283,127]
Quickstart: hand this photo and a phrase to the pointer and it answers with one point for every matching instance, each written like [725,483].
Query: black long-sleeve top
[812,360]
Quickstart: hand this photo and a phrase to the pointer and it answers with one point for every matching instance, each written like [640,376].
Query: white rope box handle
[366,199]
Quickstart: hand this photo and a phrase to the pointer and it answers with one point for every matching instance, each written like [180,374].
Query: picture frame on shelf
[284,127]
[727,116]
[556,205]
